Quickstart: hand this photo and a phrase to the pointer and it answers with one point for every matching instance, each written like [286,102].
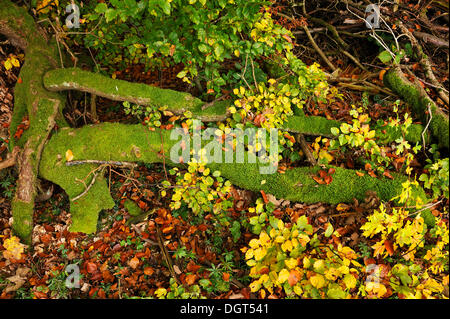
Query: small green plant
[150,115]
[176,291]
[437,178]
[57,285]
[203,191]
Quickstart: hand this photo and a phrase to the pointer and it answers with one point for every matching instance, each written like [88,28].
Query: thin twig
[115,163]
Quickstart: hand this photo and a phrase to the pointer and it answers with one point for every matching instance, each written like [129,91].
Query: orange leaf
[322,173]
[190,279]
[185,127]
[167,229]
[91,267]
[360,174]
[367,167]
[293,277]
[389,247]
[287,38]
[289,137]
[148,271]
[226,276]
[331,171]
[328,179]
[318,180]
[142,204]
[172,50]
[264,197]
[381,75]
[388,174]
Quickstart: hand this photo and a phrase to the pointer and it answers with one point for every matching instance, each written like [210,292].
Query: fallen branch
[426,64]
[114,163]
[10,159]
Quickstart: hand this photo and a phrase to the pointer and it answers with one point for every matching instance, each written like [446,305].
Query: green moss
[311,125]
[73,78]
[132,208]
[23,220]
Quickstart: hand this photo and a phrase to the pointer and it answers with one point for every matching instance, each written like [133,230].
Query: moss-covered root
[419,100]
[30,97]
[135,143]
[142,94]
[179,102]
[43,119]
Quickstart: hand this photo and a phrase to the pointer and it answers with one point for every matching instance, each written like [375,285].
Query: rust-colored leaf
[91,267]
[226,276]
[149,271]
[190,279]
[293,277]
[389,247]
[322,173]
[318,180]
[388,174]
[266,200]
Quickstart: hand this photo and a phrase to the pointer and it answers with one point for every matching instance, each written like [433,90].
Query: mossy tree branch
[135,143]
[420,102]
[179,102]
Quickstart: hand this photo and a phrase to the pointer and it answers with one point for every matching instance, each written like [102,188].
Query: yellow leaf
[306,262]
[287,246]
[160,292]
[15,62]
[69,155]
[291,263]
[283,276]
[349,281]
[249,254]
[254,286]
[254,243]
[7,64]
[264,238]
[317,281]
[298,290]
[260,253]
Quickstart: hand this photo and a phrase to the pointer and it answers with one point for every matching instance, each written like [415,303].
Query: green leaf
[334,131]
[110,14]
[218,50]
[165,6]
[101,8]
[385,56]
[203,48]
[329,230]
[336,293]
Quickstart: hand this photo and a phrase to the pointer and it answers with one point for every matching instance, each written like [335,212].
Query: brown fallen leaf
[134,262]
[18,279]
